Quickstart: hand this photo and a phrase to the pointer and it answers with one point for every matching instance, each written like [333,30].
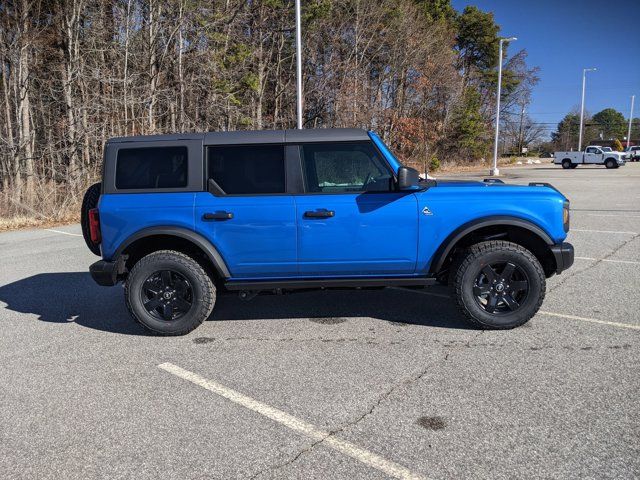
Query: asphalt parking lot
[367,384]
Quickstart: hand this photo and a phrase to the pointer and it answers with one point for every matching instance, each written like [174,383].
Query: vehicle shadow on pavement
[73,297]
[390,304]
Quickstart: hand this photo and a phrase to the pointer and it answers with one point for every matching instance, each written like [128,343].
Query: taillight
[94,226]
[566,215]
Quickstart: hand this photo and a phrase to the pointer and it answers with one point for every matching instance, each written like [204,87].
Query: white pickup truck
[592,155]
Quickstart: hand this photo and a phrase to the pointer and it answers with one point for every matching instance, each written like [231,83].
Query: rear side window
[344,168]
[151,168]
[246,170]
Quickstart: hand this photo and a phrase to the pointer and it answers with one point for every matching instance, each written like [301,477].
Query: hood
[494,185]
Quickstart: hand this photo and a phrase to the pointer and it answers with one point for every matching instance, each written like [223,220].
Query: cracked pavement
[396,372]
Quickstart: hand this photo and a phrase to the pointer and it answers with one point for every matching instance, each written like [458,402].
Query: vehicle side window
[247,169]
[591,150]
[348,167]
[151,168]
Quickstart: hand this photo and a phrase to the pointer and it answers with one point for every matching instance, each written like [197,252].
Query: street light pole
[298,66]
[584,81]
[494,170]
[633,97]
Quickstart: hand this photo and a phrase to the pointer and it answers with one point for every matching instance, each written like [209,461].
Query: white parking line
[63,233]
[562,315]
[368,458]
[608,215]
[602,231]
[592,320]
[630,262]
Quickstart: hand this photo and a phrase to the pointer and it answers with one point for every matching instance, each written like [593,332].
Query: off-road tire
[469,264]
[203,288]
[566,164]
[89,201]
[610,163]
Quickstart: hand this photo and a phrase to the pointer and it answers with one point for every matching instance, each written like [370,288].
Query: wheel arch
[514,229]
[156,238]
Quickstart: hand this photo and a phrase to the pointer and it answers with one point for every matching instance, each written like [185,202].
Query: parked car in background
[634,153]
[592,155]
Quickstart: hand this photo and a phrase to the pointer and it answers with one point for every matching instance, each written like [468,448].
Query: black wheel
[89,201]
[574,165]
[169,293]
[498,284]
[610,163]
[566,164]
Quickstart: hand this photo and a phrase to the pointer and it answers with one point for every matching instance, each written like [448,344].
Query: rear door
[252,220]
[350,220]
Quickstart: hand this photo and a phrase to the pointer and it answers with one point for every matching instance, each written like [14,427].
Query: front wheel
[610,163]
[169,293]
[498,284]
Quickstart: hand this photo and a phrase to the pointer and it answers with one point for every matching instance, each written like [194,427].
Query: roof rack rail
[492,180]
[543,184]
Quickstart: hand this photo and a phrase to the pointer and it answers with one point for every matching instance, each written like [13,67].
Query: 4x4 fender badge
[426,211]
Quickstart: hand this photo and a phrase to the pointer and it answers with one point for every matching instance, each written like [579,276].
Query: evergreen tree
[610,124]
[468,132]
[566,135]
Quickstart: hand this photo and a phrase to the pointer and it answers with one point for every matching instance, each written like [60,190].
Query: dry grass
[460,167]
[20,222]
[49,204]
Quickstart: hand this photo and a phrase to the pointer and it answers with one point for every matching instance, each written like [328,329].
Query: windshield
[607,149]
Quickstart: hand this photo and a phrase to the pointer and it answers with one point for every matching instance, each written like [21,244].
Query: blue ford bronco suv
[180,218]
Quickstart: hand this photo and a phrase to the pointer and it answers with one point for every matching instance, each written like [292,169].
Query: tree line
[76,72]
[607,125]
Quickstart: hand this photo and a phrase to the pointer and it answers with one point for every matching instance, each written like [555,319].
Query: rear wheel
[498,284]
[90,200]
[574,165]
[169,293]
[610,163]
[566,164]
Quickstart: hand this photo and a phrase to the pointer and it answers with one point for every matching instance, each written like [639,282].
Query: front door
[593,155]
[252,222]
[350,220]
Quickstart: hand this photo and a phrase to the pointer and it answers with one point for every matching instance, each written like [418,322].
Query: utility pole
[494,171]
[584,80]
[633,97]
[298,65]
[520,139]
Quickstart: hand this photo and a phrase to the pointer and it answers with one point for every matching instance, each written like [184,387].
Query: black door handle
[319,213]
[218,216]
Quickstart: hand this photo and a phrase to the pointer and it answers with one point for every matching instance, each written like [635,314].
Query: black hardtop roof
[255,136]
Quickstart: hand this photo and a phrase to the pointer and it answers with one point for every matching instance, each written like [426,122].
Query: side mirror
[408,178]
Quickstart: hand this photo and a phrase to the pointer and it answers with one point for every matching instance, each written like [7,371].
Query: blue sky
[564,36]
